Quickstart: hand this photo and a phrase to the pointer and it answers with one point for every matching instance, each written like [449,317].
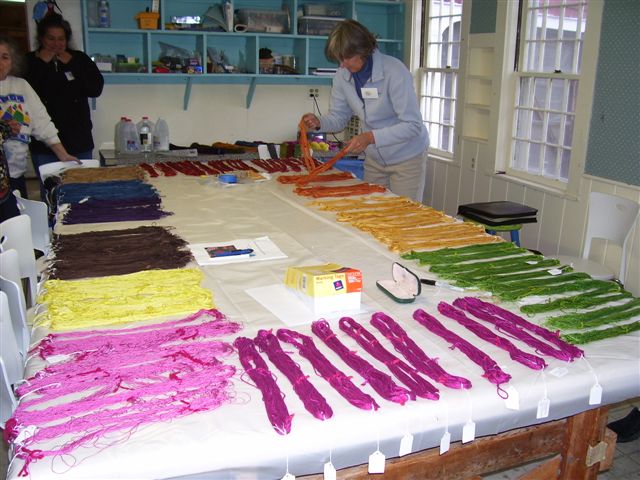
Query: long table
[237,441]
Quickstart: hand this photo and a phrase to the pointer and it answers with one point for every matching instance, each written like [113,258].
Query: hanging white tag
[512,402]
[532,262]
[595,395]
[445,443]
[406,445]
[289,476]
[468,431]
[559,372]
[329,471]
[25,434]
[543,408]
[376,462]
[554,271]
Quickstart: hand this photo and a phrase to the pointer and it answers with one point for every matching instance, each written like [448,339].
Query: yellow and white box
[326,288]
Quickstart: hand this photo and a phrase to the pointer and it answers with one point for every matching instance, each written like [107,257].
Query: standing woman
[64,79]
[20,105]
[379,89]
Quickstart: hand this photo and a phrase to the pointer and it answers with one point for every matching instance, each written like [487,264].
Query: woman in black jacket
[64,79]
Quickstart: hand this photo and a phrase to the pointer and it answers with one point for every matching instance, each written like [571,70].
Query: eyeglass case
[404,286]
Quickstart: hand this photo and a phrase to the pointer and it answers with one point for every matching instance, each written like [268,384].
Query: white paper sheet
[290,309]
[263,249]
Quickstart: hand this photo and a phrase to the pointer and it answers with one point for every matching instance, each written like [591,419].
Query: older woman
[64,79]
[378,89]
[20,104]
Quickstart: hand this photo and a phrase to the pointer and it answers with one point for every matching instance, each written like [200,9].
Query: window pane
[534,158]
[440,88]
[550,162]
[564,164]
[568,130]
[554,129]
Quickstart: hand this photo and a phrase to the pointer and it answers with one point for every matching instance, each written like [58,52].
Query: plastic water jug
[161,136]
[145,131]
[117,135]
[104,14]
[129,142]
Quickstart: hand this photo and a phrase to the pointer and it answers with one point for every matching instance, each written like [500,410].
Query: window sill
[557,192]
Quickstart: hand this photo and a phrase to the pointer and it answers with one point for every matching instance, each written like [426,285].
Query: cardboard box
[326,288]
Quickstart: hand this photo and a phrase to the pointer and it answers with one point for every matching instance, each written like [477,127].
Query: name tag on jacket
[369,92]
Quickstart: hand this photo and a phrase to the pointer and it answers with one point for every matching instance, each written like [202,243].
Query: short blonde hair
[348,39]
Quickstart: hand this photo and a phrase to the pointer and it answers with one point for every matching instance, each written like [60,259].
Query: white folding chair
[11,285]
[8,400]
[39,214]
[610,218]
[15,233]
[9,351]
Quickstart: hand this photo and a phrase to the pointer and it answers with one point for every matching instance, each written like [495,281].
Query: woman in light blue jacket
[378,89]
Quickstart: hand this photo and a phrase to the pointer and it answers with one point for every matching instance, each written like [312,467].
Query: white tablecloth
[237,441]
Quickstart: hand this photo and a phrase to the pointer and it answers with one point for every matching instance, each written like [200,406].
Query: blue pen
[230,253]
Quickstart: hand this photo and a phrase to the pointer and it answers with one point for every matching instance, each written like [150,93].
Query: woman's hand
[64,57]
[62,153]
[15,127]
[358,143]
[311,121]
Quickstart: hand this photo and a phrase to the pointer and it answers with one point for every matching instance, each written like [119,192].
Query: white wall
[215,112]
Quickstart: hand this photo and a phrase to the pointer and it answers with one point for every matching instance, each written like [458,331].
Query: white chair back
[15,233]
[39,214]
[11,284]
[8,401]
[8,344]
[56,168]
[610,218]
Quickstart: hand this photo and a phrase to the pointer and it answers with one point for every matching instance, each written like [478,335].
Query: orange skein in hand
[308,159]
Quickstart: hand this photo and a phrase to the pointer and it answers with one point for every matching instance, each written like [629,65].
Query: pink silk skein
[514,324]
[414,354]
[527,359]
[313,401]
[338,380]
[492,371]
[108,381]
[257,369]
[379,381]
[403,371]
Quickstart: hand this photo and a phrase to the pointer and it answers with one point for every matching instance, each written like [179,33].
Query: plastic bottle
[104,14]
[130,141]
[161,136]
[145,131]
[117,135]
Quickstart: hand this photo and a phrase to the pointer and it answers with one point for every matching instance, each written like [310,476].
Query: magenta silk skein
[313,401]
[492,371]
[403,371]
[514,324]
[379,381]
[414,354]
[257,369]
[338,380]
[527,359]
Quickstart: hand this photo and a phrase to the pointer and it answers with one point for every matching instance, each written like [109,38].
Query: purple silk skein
[379,381]
[527,359]
[492,371]
[507,320]
[338,380]
[313,401]
[403,371]
[259,372]
[414,354]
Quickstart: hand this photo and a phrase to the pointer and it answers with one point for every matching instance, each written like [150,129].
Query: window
[548,84]
[439,80]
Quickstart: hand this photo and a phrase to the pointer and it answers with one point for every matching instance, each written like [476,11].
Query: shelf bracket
[187,94]
[251,91]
